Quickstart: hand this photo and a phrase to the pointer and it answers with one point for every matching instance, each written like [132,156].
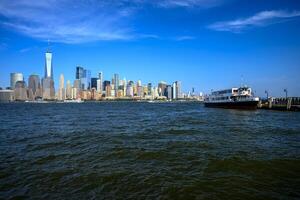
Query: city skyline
[202,43]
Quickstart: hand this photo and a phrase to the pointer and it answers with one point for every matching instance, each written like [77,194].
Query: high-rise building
[85,77]
[20,91]
[48,65]
[94,83]
[178,88]
[162,88]
[100,82]
[48,89]
[14,77]
[174,91]
[69,90]
[79,72]
[169,92]
[149,88]
[34,87]
[48,82]
[116,82]
[61,91]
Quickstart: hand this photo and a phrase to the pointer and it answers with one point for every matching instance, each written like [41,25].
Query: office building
[48,65]
[162,88]
[48,90]
[15,77]
[100,82]
[116,81]
[84,76]
[34,87]
[69,91]
[94,83]
[61,91]
[7,95]
[169,92]
[20,91]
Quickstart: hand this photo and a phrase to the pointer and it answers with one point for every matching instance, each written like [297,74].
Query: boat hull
[242,105]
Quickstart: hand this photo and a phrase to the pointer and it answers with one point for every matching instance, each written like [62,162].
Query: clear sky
[207,44]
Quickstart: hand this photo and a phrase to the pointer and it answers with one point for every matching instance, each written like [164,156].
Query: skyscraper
[69,90]
[149,88]
[48,82]
[94,83]
[174,93]
[34,87]
[20,91]
[116,82]
[100,82]
[85,77]
[14,77]
[48,65]
[162,88]
[61,91]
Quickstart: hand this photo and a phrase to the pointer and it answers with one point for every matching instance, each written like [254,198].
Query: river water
[134,150]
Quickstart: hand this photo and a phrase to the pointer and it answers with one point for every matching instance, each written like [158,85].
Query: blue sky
[207,44]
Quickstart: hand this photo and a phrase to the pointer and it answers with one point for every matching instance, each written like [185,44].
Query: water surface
[132,150]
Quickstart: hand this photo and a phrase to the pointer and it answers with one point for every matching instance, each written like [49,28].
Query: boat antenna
[242,81]
[48,48]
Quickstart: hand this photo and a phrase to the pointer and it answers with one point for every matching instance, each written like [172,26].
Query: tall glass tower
[48,65]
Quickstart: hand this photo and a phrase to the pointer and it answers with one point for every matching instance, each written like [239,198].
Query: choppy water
[147,151]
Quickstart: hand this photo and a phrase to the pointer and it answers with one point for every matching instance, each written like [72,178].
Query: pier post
[270,103]
[289,103]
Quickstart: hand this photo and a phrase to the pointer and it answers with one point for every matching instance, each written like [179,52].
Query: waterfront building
[7,95]
[178,89]
[129,89]
[94,83]
[162,88]
[75,93]
[169,92]
[20,91]
[34,87]
[124,86]
[77,84]
[48,82]
[48,89]
[174,91]
[154,92]
[61,90]
[14,78]
[100,82]
[116,81]
[149,88]
[84,76]
[105,83]
[145,90]
[108,90]
[69,90]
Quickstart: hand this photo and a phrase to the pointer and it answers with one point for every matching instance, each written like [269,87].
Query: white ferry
[235,98]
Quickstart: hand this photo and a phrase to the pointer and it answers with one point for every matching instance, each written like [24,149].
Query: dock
[281,104]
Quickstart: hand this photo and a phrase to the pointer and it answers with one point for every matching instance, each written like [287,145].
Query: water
[122,150]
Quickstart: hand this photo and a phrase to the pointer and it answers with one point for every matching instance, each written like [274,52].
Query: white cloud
[66,21]
[185,37]
[260,19]
[79,21]
[189,3]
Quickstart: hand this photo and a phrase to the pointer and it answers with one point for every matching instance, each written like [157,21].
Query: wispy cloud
[185,37]
[189,3]
[67,21]
[260,19]
[79,21]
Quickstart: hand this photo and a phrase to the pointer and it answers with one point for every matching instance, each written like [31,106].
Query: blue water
[134,150]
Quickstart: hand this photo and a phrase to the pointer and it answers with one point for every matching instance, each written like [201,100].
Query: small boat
[234,98]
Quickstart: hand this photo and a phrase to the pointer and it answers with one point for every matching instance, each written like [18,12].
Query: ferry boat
[234,98]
